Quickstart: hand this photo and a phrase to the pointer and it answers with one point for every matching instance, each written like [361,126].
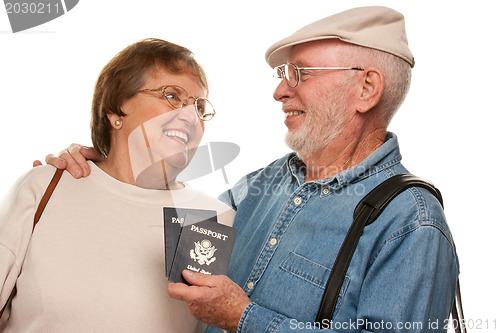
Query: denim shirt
[401,278]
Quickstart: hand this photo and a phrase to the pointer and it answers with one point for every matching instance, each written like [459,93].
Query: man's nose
[283,91]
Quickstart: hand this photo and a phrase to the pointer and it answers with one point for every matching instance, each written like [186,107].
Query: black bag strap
[457,313]
[367,210]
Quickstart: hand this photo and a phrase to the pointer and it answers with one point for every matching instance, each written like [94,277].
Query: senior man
[343,79]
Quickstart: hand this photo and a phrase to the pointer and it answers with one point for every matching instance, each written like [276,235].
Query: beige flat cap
[376,27]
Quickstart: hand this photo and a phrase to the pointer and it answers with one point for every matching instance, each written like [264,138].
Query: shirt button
[273,241]
[250,285]
[297,201]
[326,191]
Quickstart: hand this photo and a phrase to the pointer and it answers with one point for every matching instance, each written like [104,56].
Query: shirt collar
[384,157]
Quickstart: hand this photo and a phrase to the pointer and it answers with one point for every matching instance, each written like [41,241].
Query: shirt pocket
[304,281]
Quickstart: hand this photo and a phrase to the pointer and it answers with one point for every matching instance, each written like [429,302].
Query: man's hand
[74,159]
[213,299]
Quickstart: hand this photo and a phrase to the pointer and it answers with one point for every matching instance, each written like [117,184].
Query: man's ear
[370,90]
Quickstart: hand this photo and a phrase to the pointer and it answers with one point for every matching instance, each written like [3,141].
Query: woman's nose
[189,114]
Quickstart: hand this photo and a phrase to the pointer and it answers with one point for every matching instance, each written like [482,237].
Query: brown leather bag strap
[39,211]
[46,196]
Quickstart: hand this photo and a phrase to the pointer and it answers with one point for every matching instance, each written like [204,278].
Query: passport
[203,247]
[174,219]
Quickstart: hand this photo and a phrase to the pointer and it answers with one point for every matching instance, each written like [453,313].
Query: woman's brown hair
[126,73]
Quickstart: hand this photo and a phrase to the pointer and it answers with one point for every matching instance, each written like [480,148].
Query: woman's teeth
[178,135]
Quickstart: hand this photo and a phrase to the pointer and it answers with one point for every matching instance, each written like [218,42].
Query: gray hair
[397,73]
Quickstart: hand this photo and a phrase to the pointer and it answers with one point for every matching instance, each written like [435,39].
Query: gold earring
[118,123]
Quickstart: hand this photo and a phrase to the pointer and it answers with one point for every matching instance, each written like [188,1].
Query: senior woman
[95,261]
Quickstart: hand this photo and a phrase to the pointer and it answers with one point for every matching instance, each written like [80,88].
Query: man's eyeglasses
[178,98]
[291,72]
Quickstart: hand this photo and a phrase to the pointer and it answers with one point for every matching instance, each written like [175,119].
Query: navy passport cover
[174,219]
[204,247]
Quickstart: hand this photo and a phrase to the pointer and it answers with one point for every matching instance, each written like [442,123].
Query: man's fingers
[55,161]
[90,153]
[74,159]
[178,291]
[77,164]
[213,299]
[200,279]
[65,160]
[36,163]
[200,285]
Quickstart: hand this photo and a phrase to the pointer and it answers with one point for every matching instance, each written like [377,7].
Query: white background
[447,127]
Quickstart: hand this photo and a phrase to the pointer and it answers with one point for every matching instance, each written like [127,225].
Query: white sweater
[96,260]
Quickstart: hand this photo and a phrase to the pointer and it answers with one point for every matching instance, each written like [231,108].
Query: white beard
[324,122]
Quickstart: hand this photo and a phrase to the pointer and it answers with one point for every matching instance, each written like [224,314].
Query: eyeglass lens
[289,72]
[204,108]
[178,98]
